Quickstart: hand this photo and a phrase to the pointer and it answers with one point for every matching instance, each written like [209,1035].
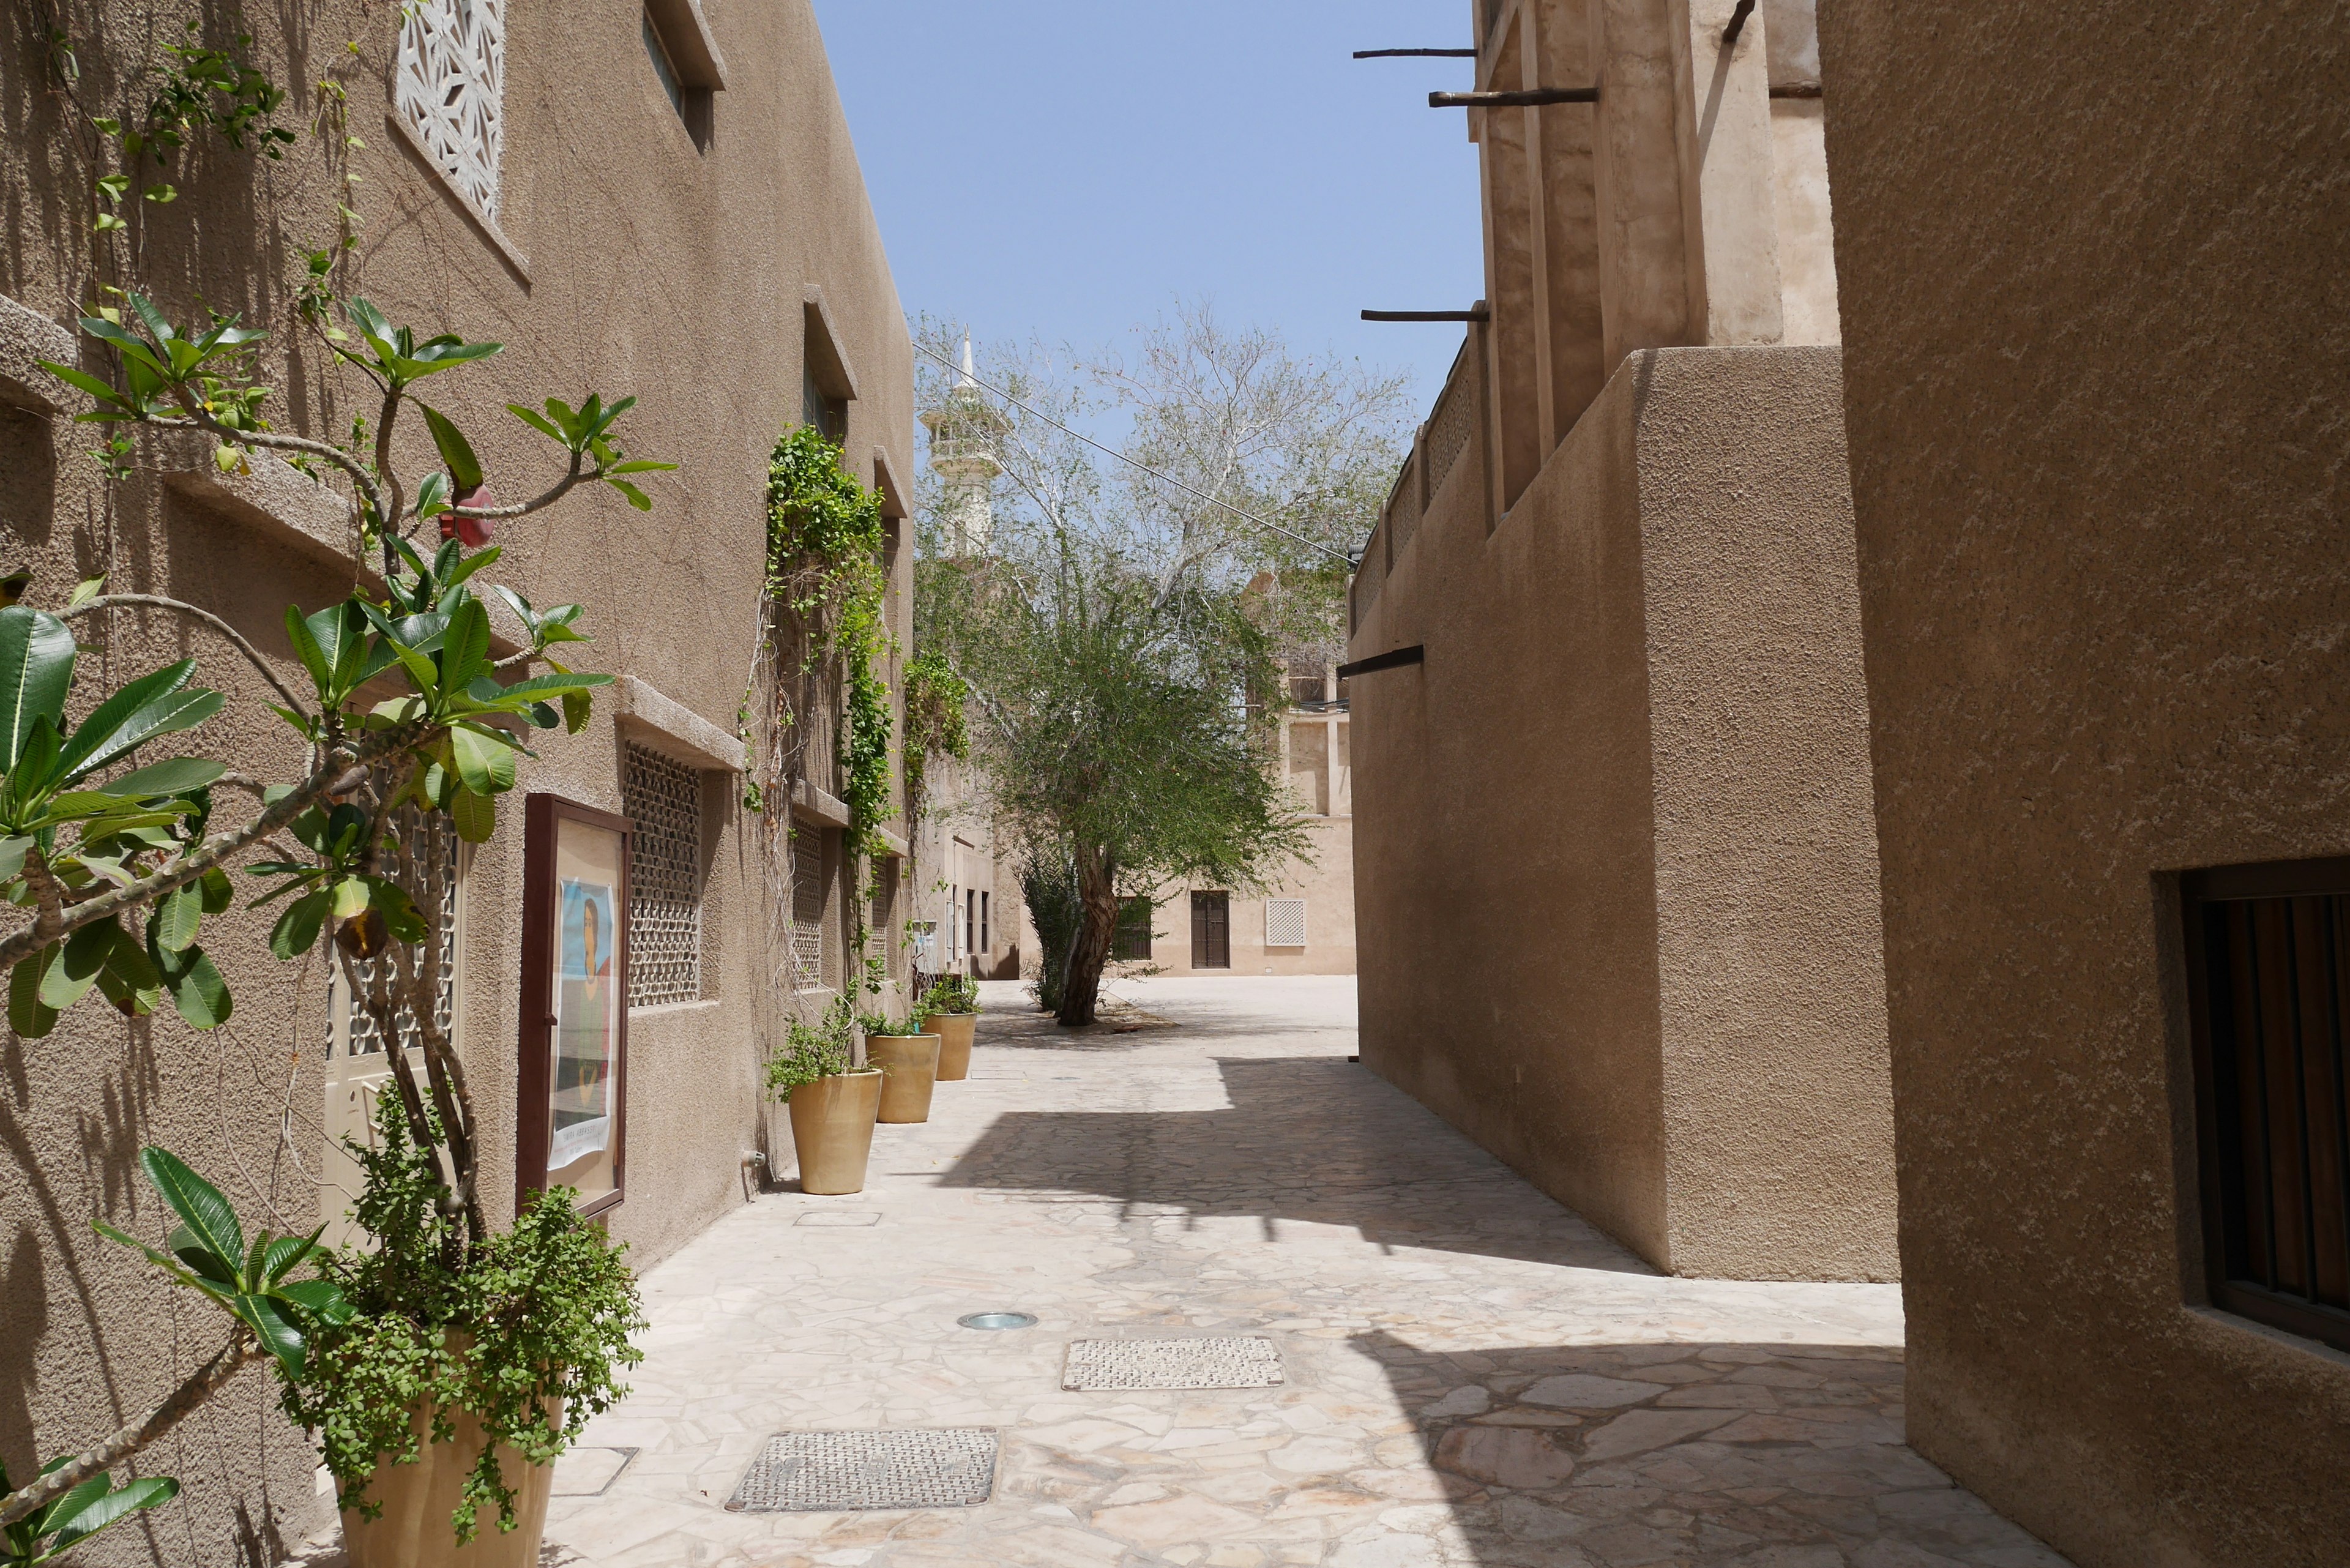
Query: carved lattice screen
[450,86]
[359,1035]
[663,800]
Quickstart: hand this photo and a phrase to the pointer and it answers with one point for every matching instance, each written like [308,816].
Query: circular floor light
[997,1320]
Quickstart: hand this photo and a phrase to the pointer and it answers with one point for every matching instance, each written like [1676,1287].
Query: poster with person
[586,1021]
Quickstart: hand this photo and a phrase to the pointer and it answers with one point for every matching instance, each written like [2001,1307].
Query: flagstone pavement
[1473,1375]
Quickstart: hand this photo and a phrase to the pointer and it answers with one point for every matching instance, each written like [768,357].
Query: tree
[1124,633]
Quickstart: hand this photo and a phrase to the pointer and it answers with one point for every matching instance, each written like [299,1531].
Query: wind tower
[964,435]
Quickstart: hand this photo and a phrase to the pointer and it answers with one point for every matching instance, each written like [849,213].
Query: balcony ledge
[663,724]
[27,337]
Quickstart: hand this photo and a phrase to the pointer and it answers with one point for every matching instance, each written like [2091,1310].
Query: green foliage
[253,1284]
[950,994]
[935,699]
[822,1050]
[1048,883]
[97,1502]
[529,1336]
[200,89]
[878,1025]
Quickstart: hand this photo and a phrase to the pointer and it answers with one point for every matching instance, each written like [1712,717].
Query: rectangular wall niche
[2267,959]
[663,799]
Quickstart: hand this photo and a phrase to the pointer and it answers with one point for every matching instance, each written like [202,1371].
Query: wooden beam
[1416,53]
[1529,98]
[1478,313]
[1415,654]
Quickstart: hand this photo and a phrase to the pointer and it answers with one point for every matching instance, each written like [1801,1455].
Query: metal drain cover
[1239,1361]
[828,1472]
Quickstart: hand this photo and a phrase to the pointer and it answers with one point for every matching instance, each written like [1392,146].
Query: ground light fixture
[997,1320]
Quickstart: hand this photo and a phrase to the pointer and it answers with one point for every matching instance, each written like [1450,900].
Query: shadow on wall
[1762,1456]
[1395,1175]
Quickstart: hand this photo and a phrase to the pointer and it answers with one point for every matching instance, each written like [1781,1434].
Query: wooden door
[1212,931]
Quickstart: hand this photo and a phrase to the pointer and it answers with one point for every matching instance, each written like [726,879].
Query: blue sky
[1067,167]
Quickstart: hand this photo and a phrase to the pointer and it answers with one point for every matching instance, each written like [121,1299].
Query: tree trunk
[1089,946]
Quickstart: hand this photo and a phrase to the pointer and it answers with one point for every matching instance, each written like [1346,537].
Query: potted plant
[951,1007]
[450,1375]
[909,1059]
[832,1104]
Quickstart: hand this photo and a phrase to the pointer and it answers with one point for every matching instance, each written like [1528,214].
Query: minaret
[962,448]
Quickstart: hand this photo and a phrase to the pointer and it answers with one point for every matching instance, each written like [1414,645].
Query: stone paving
[1473,1376]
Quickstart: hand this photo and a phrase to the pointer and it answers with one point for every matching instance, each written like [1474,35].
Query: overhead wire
[1248,517]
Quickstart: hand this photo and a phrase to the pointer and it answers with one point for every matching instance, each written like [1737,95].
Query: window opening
[354,1032]
[663,799]
[2268,962]
[449,87]
[987,944]
[1134,922]
[807,917]
[827,413]
[695,105]
[1284,922]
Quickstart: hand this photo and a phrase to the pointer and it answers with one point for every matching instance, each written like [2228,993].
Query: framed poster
[574,1013]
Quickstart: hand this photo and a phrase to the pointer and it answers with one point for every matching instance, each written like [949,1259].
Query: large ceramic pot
[420,1502]
[832,1130]
[909,1066]
[954,1030]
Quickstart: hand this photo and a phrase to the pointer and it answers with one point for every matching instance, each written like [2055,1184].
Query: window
[2268,961]
[807,913]
[694,103]
[663,798]
[1133,937]
[449,87]
[819,407]
[954,900]
[1284,922]
[985,945]
[572,1106]
[970,920]
[1212,931]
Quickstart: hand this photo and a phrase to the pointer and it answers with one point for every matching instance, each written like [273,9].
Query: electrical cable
[1164,477]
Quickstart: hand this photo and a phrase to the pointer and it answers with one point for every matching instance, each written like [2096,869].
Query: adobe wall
[1326,883]
[2091,284]
[1614,884]
[678,275]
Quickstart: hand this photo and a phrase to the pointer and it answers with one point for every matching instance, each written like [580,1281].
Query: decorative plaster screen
[664,800]
[1284,922]
[450,86]
[355,1031]
[807,917]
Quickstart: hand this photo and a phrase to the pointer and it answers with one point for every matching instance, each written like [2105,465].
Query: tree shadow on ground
[1309,1139]
[1756,1455]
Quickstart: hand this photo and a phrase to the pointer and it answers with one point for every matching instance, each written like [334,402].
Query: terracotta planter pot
[417,1529]
[910,1067]
[832,1130]
[954,1030]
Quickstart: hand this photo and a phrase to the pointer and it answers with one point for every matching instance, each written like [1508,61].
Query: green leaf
[537,422]
[164,716]
[322,1299]
[476,815]
[297,929]
[216,891]
[104,393]
[278,1333]
[113,1507]
[487,766]
[28,1015]
[548,685]
[12,857]
[400,916]
[198,989]
[37,662]
[465,651]
[287,1254]
[305,648]
[578,707]
[456,452]
[197,1202]
[637,498]
[107,719]
[348,897]
[86,952]
[177,776]
[62,1511]
[178,919]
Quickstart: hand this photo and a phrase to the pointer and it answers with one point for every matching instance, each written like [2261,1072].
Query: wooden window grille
[1284,922]
[1450,427]
[807,917]
[663,800]
[1132,939]
[2268,964]
[355,1033]
[449,86]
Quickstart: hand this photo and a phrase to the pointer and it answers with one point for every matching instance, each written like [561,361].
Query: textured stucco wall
[2096,348]
[655,269]
[1326,883]
[1615,892]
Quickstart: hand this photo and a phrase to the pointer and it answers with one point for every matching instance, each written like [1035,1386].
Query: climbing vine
[935,698]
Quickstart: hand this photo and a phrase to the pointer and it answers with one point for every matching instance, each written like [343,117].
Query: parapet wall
[1618,905]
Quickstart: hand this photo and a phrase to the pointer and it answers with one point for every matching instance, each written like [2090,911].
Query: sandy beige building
[1614,849]
[2096,362]
[658,201]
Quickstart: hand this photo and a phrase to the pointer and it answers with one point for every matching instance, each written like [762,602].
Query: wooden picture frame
[574,1007]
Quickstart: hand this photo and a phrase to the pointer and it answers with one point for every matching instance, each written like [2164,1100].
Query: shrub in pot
[832,1104]
[909,1058]
[952,1008]
[458,1369]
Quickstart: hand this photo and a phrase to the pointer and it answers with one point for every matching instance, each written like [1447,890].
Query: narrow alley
[1471,1375]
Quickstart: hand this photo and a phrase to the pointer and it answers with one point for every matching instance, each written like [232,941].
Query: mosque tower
[962,448]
